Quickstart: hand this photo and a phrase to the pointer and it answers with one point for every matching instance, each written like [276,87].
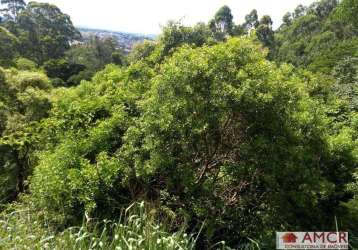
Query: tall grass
[20,229]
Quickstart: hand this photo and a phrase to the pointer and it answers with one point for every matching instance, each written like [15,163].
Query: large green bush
[215,134]
[79,163]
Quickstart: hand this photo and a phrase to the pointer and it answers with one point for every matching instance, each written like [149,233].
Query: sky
[147,16]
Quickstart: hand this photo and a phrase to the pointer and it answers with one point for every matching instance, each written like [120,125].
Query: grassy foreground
[21,227]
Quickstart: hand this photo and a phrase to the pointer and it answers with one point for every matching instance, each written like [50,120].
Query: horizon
[128,17]
[113,31]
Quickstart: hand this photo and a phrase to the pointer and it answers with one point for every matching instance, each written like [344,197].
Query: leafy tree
[142,51]
[238,30]
[245,126]
[100,112]
[325,59]
[24,100]
[316,38]
[251,20]
[8,46]
[323,8]
[94,53]
[218,92]
[287,19]
[118,58]
[346,86]
[347,12]
[299,11]
[265,32]
[13,8]
[174,35]
[44,32]
[104,49]
[222,22]
[62,70]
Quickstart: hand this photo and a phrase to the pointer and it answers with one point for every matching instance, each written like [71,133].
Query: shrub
[80,163]
[216,134]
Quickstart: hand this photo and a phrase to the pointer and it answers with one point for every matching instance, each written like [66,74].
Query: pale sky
[146,16]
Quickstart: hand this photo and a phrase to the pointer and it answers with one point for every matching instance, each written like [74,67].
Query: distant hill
[125,40]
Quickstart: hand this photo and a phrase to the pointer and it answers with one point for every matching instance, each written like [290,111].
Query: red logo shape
[289,238]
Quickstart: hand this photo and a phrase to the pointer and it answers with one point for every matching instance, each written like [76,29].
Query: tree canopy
[44,32]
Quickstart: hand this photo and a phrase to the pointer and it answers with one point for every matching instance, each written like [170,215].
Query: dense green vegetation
[317,37]
[212,136]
